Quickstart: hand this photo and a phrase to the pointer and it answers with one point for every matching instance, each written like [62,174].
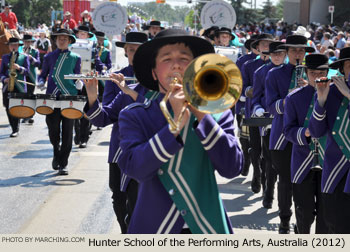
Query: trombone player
[307,197]
[174,164]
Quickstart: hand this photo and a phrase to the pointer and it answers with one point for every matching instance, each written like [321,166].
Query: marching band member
[224,36]
[105,56]
[124,190]
[277,57]
[21,68]
[175,199]
[54,70]
[262,45]
[83,126]
[34,60]
[307,197]
[330,117]
[153,28]
[209,34]
[278,83]
[243,131]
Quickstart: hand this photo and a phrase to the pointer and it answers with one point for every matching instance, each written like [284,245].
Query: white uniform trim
[212,132]
[334,173]
[220,133]
[155,151]
[166,219]
[302,167]
[161,147]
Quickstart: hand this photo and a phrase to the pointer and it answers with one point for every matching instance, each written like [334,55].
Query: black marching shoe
[256,185]
[63,170]
[14,134]
[83,145]
[55,164]
[267,203]
[284,227]
[30,120]
[76,140]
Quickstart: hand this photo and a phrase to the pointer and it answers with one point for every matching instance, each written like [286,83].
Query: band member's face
[153,30]
[263,46]
[130,52]
[13,47]
[346,68]
[62,42]
[171,62]
[100,41]
[216,41]
[224,39]
[82,35]
[295,54]
[42,35]
[277,58]
[313,74]
[27,44]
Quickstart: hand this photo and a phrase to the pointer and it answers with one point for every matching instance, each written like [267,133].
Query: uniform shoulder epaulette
[296,90]
[138,104]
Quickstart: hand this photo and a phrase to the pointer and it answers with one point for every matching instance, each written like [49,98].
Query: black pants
[255,152]
[123,202]
[60,128]
[337,209]
[82,126]
[244,140]
[308,202]
[14,122]
[267,169]
[281,162]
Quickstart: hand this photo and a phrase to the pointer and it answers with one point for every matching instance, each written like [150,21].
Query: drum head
[71,113]
[44,110]
[22,112]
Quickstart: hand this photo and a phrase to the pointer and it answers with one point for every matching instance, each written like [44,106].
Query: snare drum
[45,104]
[72,106]
[21,105]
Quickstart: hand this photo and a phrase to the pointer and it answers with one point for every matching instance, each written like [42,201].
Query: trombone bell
[212,83]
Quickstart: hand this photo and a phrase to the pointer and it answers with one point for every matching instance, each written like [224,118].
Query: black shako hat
[64,32]
[100,34]
[273,47]
[134,38]
[316,61]
[297,41]
[146,53]
[28,37]
[344,55]
[14,41]
[84,28]
[223,30]
[248,43]
[207,32]
[262,37]
[153,23]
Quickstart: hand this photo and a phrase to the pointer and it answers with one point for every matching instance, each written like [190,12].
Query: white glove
[259,112]
[242,98]
[41,86]
[79,84]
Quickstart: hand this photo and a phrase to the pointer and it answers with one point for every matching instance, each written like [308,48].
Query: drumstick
[26,82]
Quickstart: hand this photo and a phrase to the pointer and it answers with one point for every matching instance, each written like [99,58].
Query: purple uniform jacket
[277,85]
[296,108]
[248,70]
[240,61]
[4,70]
[103,115]
[147,144]
[259,99]
[335,165]
[48,69]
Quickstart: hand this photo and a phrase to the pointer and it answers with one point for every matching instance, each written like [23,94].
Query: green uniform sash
[65,65]
[103,56]
[341,130]
[32,72]
[190,180]
[323,140]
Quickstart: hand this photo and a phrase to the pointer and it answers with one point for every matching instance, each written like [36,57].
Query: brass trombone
[212,83]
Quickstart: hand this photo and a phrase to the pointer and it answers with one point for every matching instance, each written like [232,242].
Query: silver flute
[97,77]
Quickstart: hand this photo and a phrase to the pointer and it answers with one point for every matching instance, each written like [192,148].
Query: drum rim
[72,97]
[21,96]
[82,113]
[45,96]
